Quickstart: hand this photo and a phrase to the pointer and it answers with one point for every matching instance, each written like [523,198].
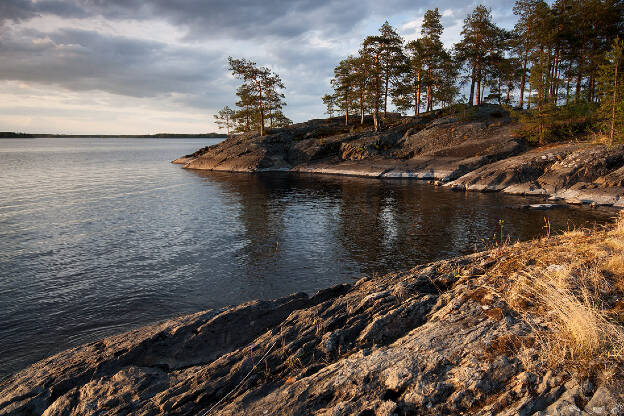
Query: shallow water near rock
[98,236]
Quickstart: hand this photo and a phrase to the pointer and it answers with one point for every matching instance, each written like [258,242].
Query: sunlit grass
[570,289]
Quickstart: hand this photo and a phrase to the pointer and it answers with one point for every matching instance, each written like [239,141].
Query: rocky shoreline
[476,152]
[467,335]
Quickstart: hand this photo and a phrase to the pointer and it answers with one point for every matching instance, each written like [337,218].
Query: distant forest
[12,135]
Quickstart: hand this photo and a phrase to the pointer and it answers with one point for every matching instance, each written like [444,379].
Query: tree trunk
[346,111]
[615,88]
[386,97]
[592,84]
[376,118]
[429,89]
[362,109]
[482,91]
[579,76]
[247,118]
[418,95]
[523,78]
[428,106]
[478,75]
[415,101]
[568,91]
[472,88]
[261,111]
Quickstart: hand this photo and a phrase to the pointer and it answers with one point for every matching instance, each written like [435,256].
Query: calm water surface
[98,236]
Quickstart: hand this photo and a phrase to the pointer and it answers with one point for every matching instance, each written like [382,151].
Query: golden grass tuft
[615,244]
[570,289]
[579,329]
[574,233]
[615,265]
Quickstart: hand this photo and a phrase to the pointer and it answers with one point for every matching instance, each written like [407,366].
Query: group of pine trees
[560,55]
[260,101]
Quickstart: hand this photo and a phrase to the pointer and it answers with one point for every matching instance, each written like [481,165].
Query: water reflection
[380,225]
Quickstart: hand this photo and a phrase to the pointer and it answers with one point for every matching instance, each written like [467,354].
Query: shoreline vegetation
[13,135]
[526,328]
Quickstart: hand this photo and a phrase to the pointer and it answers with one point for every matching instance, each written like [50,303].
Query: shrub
[554,124]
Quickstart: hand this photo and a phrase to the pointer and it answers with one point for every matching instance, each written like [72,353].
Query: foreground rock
[455,336]
[477,151]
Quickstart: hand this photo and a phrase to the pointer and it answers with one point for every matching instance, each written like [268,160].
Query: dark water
[98,236]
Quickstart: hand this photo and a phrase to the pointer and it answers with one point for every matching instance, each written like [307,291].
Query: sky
[150,66]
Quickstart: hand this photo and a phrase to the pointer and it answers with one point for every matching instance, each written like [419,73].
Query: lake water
[98,236]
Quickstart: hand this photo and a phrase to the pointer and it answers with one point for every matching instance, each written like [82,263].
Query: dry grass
[570,289]
[615,265]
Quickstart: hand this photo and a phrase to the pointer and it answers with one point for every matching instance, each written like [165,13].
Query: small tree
[612,90]
[225,119]
[262,81]
[330,102]
[343,83]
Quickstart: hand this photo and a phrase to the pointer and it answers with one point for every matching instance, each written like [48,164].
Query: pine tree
[433,53]
[245,118]
[275,105]
[225,118]
[261,84]
[330,103]
[523,38]
[540,83]
[479,42]
[392,59]
[408,92]
[372,53]
[361,77]
[344,86]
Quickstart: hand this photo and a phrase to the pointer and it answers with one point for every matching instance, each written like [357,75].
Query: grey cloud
[83,60]
[239,19]
[16,10]
[242,19]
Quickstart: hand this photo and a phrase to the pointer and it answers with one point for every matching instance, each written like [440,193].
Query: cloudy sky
[147,66]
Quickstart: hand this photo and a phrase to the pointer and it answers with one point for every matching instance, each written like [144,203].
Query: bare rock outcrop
[427,146]
[575,172]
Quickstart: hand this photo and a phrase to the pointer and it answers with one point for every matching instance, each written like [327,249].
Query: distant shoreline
[12,135]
